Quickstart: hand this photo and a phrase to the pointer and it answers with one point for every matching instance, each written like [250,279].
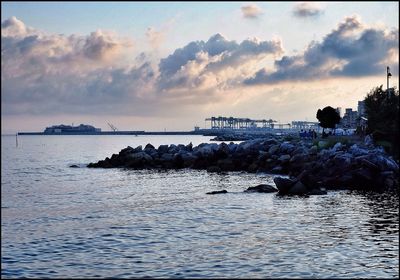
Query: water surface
[80,222]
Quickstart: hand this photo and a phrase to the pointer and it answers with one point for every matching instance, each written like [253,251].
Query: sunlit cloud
[251,11]
[307,10]
[350,50]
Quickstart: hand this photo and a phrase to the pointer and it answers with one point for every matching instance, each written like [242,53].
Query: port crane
[112,126]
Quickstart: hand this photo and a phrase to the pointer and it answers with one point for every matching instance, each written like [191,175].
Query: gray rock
[217,192]
[149,146]
[277,169]
[263,188]
[286,147]
[163,149]
[273,149]
[140,156]
[284,158]
[283,184]
[137,149]
[337,147]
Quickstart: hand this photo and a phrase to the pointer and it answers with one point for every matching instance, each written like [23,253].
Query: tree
[382,110]
[328,118]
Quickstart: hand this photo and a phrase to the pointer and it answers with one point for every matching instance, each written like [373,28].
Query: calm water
[79,222]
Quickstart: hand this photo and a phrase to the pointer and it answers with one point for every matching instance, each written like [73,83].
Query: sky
[170,65]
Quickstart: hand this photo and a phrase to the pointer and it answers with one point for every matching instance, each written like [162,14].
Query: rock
[188,159]
[172,149]
[149,146]
[277,170]
[127,150]
[286,147]
[263,188]
[313,150]
[223,150]
[74,166]
[137,149]
[178,160]
[283,184]
[297,158]
[342,160]
[163,149]
[217,192]
[337,147]
[298,188]
[357,151]
[214,168]
[167,157]
[273,149]
[284,158]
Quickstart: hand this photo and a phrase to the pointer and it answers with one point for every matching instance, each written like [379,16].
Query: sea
[63,222]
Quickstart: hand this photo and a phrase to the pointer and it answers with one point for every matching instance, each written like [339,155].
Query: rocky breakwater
[311,168]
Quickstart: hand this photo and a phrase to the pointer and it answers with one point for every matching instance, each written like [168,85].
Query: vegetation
[382,111]
[328,118]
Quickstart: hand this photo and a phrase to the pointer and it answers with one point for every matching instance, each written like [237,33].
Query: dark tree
[328,118]
[382,110]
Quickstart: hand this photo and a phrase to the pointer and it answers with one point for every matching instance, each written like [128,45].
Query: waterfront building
[349,119]
[361,108]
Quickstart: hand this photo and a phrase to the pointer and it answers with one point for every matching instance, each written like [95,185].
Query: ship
[69,129]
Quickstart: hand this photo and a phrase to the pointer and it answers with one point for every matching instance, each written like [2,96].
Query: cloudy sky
[159,65]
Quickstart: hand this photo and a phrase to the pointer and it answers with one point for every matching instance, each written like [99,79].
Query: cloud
[352,49]
[217,62]
[307,10]
[14,27]
[50,74]
[251,11]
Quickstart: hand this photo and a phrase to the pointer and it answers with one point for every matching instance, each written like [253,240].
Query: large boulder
[162,149]
[149,146]
[283,184]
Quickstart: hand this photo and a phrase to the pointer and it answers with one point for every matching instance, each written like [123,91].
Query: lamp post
[388,75]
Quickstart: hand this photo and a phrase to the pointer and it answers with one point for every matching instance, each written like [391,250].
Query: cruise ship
[68,129]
